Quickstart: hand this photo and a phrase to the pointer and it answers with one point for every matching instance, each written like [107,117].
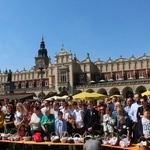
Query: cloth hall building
[68,74]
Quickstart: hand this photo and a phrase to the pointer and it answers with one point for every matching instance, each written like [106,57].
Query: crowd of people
[130,117]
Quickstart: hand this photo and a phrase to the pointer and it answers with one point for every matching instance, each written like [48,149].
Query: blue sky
[102,28]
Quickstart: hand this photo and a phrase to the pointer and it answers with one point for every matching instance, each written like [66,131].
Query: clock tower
[42,58]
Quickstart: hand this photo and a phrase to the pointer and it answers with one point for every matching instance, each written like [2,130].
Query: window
[97,78]
[82,79]
[63,76]
[140,75]
[37,84]
[106,78]
[117,76]
[22,85]
[128,76]
[46,83]
[30,84]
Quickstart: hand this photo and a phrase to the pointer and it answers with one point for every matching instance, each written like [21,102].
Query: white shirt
[66,113]
[146,127]
[78,117]
[35,122]
[133,111]
[56,114]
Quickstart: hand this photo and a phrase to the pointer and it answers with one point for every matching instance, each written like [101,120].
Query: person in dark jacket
[144,103]
[91,118]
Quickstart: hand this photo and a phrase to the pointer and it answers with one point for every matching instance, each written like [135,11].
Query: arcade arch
[114,91]
[140,89]
[127,91]
[102,91]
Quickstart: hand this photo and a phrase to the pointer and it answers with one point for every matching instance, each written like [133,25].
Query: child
[144,124]
[108,122]
[60,124]
[9,119]
[124,129]
[22,130]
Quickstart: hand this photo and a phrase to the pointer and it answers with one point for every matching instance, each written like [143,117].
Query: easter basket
[124,141]
[78,138]
[14,137]
[5,136]
[87,135]
[105,138]
[26,137]
[143,143]
[96,135]
[114,139]
[54,137]
[70,139]
[64,137]
[13,131]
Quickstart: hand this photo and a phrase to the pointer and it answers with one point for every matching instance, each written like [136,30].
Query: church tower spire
[42,58]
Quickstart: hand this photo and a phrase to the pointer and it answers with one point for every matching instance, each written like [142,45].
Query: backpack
[37,137]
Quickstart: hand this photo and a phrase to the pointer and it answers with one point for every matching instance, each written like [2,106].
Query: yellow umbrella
[85,96]
[98,95]
[147,93]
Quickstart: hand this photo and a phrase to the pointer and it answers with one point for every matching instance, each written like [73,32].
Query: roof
[16,96]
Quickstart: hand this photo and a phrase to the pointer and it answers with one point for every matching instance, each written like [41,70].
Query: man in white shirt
[66,112]
[129,102]
[56,109]
[133,116]
[78,116]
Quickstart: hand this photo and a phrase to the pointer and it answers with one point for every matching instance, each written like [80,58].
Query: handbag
[37,137]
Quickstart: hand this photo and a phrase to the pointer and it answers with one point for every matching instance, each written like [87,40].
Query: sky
[102,28]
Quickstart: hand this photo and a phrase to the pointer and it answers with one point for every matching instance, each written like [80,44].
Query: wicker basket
[70,140]
[124,141]
[64,137]
[5,136]
[27,137]
[13,131]
[143,145]
[87,135]
[114,139]
[105,139]
[96,135]
[54,137]
[14,137]
[78,138]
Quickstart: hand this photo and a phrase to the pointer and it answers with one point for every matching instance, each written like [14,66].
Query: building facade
[69,75]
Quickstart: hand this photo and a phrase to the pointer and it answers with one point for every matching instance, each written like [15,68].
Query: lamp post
[41,72]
